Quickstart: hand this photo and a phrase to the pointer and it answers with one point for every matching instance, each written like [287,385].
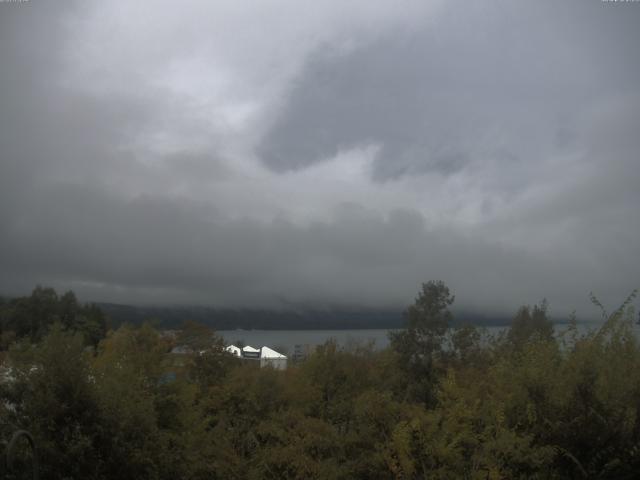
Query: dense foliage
[31,317]
[439,403]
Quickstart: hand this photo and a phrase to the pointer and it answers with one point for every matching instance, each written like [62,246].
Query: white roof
[249,348]
[270,353]
[233,350]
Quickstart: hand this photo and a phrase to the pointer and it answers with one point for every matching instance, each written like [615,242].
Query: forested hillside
[440,402]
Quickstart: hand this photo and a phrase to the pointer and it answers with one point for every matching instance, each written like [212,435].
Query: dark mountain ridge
[265,319]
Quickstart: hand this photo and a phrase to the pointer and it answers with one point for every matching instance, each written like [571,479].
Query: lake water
[285,341]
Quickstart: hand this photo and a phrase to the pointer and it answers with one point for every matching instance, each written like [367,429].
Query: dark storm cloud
[174,245]
[494,146]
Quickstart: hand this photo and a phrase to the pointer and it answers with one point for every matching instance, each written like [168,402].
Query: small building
[265,355]
[250,352]
[233,350]
[273,359]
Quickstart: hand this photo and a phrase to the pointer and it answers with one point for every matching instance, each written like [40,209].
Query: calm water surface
[285,340]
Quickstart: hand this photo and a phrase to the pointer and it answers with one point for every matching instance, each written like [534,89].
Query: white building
[266,355]
[250,352]
[233,350]
[271,358]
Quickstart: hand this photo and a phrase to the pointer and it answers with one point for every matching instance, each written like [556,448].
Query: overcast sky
[287,152]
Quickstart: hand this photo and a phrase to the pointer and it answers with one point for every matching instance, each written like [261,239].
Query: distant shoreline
[284,320]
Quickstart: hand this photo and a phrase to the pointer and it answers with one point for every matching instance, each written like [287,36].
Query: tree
[127,372]
[196,336]
[68,309]
[420,343]
[466,343]
[530,324]
[92,323]
[52,396]
[33,316]
[208,362]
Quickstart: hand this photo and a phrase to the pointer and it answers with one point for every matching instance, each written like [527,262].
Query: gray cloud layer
[341,160]
[499,81]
